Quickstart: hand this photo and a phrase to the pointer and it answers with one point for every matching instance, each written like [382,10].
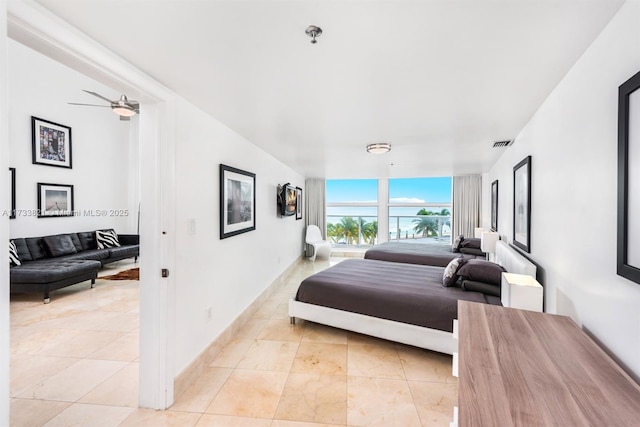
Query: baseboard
[187,377]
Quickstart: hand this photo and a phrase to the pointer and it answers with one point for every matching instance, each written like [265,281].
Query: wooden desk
[522,368]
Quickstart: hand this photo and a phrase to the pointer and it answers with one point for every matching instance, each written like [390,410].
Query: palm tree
[335,232]
[425,226]
[350,229]
[369,231]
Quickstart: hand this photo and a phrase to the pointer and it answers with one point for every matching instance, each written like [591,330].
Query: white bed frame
[418,336]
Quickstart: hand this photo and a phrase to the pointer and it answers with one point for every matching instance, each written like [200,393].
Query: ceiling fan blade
[98,95]
[88,105]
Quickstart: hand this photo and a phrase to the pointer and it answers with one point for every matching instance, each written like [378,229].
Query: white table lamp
[488,242]
[478,232]
[521,291]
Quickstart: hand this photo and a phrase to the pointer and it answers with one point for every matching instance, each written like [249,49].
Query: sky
[401,190]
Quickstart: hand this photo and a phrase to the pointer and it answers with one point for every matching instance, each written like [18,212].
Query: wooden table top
[523,368]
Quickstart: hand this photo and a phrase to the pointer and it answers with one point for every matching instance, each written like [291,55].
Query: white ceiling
[441,80]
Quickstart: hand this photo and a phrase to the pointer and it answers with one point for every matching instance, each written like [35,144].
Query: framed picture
[494,205]
[12,192]
[51,143]
[298,203]
[237,201]
[522,204]
[628,250]
[55,200]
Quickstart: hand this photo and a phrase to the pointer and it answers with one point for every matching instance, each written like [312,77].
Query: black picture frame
[12,194]
[628,225]
[237,201]
[298,203]
[494,205]
[50,143]
[55,200]
[522,204]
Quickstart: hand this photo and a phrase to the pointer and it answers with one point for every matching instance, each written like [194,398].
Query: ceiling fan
[123,107]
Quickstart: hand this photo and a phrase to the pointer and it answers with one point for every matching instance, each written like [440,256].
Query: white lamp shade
[488,241]
[478,232]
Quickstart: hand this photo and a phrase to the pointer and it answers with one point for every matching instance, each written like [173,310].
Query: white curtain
[314,201]
[467,204]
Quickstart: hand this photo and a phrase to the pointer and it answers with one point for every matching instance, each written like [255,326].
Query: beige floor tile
[119,390]
[286,423]
[269,356]
[249,394]
[380,402]
[210,420]
[282,330]
[33,413]
[251,329]
[231,355]
[425,365]
[40,341]
[83,344]
[27,371]
[315,332]
[314,398]
[199,396]
[321,358]
[72,383]
[361,339]
[149,417]
[281,312]
[82,415]
[434,402]
[265,311]
[374,361]
[126,348]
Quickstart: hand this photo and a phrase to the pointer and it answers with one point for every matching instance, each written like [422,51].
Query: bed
[417,253]
[369,286]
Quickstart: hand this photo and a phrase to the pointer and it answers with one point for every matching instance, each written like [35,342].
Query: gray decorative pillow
[107,239]
[471,242]
[14,259]
[479,270]
[450,275]
[472,251]
[485,288]
[456,243]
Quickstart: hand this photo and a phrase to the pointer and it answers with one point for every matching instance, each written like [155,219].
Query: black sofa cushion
[93,254]
[35,248]
[23,249]
[124,252]
[87,240]
[46,272]
[59,245]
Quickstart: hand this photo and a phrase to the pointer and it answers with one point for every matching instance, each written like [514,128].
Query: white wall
[572,139]
[104,173]
[225,275]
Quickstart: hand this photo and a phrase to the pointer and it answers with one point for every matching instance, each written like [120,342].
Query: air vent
[500,144]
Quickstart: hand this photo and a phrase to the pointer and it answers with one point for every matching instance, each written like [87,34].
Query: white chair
[314,238]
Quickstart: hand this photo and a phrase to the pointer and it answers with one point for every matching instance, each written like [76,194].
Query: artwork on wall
[55,200]
[12,192]
[494,205]
[237,201]
[51,143]
[628,251]
[522,204]
[298,203]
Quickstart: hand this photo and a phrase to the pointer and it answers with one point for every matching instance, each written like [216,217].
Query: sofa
[52,262]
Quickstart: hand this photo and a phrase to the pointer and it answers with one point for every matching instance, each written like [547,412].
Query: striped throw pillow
[107,239]
[14,259]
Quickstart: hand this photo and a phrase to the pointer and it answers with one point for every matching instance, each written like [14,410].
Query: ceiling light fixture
[313,32]
[379,148]
[122,107]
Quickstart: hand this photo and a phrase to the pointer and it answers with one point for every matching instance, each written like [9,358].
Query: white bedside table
[521,291]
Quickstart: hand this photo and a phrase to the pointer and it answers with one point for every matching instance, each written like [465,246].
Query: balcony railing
[361,231]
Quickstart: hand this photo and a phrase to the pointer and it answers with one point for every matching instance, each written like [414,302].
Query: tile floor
[74,362]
